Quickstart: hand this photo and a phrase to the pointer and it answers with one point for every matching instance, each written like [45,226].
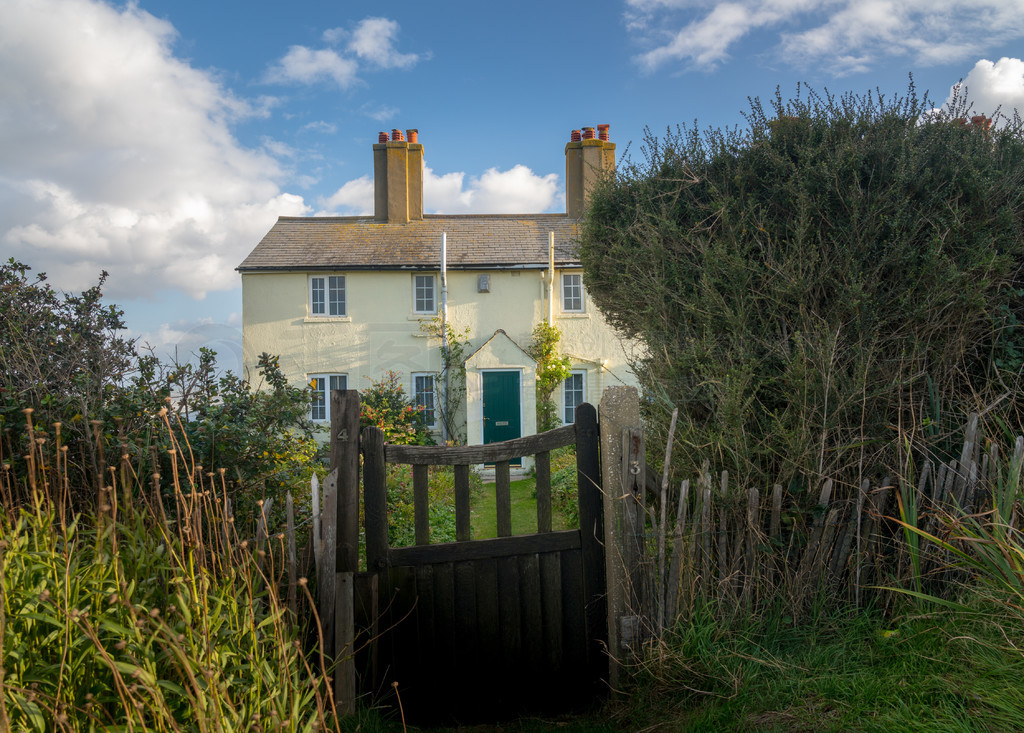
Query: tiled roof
[354,242]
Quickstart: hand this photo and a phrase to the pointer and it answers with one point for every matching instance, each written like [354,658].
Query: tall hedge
[839,276]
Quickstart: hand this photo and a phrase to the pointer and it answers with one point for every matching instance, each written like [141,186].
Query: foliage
[136,618]
[453,363]
[61,354]
[441,498]
[385,405]
[552,370]
[805,284]
[64,357]
[564,487]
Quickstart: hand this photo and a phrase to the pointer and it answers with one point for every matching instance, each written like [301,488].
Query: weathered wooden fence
[745,548]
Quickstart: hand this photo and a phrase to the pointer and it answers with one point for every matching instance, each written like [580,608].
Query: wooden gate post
[591,514]
[345,459]
[620,409]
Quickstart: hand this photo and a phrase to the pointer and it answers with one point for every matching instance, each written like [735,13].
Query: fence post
[591,513]
[620,409]
[345,458]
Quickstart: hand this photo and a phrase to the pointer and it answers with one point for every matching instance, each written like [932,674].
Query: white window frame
[329,306]
[582,374]
[321,386]
[416,395]
[433,294]
[567,282]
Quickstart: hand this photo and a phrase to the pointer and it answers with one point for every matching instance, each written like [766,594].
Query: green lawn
[484,515]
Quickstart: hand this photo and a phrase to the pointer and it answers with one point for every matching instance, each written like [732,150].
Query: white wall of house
[381,331]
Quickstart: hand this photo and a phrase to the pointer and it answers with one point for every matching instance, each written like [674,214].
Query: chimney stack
[398,177]
[589,156]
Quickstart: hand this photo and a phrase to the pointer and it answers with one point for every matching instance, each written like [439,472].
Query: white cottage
[341,300]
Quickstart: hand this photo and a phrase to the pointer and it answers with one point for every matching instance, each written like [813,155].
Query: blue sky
[160,139]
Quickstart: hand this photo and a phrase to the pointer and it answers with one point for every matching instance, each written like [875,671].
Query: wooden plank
[705,542]
[444,621]
[421,504]
[542,473]
[573,612]
[426,647]
[447,455]
[489,548]
[551,609]
[375,507]
[503,498]
[465,643]
[326,579]
[592,537]
[678,549]
[344,634]
[345,459]
[487,619]
[532,614]
[775,527]
[463,532]
[752,540]
[510,624]
[293,559]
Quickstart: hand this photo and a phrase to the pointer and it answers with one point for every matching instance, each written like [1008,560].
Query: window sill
[327,319]
[421,317]
[572,315]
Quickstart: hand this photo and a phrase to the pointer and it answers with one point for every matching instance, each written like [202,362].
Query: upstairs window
[572,293]
[423,397]
[327,295]
[322,385]
[423,300]
[574,390]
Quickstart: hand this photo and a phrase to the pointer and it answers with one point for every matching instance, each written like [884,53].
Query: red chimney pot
[382,137]
[575,137]
[588,133]
[602,132]
[397,136]
[414,135]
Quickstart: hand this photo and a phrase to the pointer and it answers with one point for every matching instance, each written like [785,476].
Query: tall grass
[141,616]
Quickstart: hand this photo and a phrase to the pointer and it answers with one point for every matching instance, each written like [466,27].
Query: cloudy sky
[159,139]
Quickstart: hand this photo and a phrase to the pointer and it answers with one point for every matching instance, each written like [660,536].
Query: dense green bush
[401,524]
[64,356]
[840,271]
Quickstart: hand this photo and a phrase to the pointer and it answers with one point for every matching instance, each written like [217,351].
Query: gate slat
[574,638]
[551,608]
[489,641]
[425,619]
[542,471]
[465,642]
[510,615]
[462,527]
[421,504]
[503,498]
[444,621]
[532,613]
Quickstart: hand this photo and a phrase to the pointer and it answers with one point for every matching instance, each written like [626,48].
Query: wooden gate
[482,629]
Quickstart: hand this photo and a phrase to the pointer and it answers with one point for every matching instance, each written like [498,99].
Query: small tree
[552,370]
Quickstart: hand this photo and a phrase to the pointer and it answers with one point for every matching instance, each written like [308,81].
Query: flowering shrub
[386,405]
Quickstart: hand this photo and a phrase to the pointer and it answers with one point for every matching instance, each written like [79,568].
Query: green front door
[502,412]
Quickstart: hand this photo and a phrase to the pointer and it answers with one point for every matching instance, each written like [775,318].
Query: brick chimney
[588,157]
[398,177]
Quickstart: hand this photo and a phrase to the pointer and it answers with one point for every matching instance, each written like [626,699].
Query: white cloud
[515,191]
[328,128]
[307,66]
[843,36]
[117,155]
[355,198]
[991,86]
[371,41]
